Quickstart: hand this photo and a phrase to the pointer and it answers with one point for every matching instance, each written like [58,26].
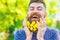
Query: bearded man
[36,13]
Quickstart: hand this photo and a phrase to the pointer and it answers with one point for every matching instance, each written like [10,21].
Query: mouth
[34,18]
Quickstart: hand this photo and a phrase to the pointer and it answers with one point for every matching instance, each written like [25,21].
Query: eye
[31,8]
[39,9]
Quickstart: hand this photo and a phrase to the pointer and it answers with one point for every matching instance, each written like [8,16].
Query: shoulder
[52,30]
[20,35]
[52,33]
[19,31]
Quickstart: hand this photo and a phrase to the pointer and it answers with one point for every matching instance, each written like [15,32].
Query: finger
[43,22]
[38,25]
[43,19]
[24,22]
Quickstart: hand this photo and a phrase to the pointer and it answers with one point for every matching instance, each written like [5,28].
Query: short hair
[38,1]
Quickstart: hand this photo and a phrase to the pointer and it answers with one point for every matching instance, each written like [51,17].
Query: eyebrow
[39,7]
[31,7]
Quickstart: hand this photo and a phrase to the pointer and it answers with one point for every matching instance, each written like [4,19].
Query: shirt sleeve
[19,35]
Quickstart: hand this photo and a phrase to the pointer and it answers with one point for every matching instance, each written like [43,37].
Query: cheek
[42,13]
[29,13]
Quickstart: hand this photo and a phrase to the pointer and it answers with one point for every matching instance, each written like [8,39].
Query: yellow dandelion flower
[31,28]
[34,29]
[33,22]
[28,23]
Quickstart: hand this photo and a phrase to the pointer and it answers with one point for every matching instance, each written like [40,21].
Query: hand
[27,31]
[41,30]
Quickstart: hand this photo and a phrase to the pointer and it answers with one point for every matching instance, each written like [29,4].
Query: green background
[12,13]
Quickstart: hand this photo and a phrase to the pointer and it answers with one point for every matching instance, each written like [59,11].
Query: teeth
[35,16]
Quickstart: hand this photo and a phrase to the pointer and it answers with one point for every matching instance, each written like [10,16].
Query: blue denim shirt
[50,34]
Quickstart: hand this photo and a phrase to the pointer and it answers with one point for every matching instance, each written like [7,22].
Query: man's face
[36,11]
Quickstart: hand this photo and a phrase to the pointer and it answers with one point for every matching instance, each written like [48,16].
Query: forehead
[36,5]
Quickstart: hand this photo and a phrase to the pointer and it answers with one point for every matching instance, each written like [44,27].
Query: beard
[34,17]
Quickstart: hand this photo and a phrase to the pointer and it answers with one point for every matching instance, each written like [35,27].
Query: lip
[34,19]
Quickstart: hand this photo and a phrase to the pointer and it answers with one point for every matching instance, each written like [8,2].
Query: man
[36,7]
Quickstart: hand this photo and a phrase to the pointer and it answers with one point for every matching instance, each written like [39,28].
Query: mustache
[32,14]
[37,14]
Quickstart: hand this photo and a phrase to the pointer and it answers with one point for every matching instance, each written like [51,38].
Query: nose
[35,10]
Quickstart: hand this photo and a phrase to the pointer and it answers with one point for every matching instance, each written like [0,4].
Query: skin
[40,9]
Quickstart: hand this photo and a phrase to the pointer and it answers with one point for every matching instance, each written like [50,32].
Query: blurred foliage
[12,13]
